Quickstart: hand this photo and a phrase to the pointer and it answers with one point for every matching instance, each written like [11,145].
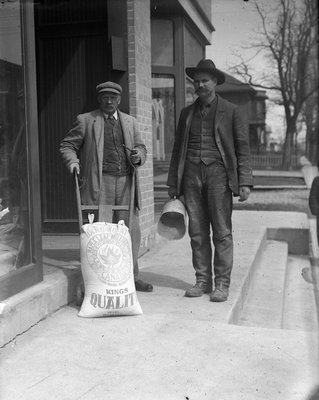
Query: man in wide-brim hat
[207,66]
[210,163]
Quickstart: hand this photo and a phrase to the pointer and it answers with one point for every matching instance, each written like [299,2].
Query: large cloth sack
[107,269]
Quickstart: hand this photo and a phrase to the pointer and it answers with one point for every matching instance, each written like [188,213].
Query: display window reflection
[163,115]
[14,197]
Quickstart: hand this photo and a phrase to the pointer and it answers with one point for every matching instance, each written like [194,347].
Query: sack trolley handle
[132,201]
[78,200]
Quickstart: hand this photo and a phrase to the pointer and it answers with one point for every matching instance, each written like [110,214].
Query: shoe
[198,289]
[219,294]
[141,286]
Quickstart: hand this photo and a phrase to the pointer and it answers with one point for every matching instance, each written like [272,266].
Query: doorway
[72,54]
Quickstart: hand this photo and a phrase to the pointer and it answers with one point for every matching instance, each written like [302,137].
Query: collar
[115,115]
[208,105]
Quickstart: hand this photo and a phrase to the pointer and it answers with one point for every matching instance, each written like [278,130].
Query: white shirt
[115,115]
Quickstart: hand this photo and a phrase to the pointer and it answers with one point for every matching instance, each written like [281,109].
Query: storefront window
[191,96]
[162,42]
[194,52]
[193,49]
[163,115]
[14,197]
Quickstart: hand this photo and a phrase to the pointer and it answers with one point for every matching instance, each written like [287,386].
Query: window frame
[176,71]
[180,24]
[15,281]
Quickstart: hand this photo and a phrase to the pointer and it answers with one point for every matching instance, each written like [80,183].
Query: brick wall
[140,104]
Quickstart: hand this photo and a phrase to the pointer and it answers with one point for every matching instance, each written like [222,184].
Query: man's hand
[74,167]
[244,192]
[135,157]
[172,192]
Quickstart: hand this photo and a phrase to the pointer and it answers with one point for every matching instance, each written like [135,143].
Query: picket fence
[271,161]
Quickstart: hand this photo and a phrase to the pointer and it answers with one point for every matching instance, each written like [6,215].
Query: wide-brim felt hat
[109,87]
[209,67]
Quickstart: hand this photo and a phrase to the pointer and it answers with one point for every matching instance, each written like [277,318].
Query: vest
[202,144]
[114,156]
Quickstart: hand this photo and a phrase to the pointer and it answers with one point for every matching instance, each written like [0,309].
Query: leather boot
[220,293]
[198,289]
[142,286]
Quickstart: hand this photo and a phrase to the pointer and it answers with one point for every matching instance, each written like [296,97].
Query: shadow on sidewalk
[163,280]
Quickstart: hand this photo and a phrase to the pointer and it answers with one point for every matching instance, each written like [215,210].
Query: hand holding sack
[107,269]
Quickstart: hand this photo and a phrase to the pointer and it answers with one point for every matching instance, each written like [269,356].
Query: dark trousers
[209,204]
[116,191]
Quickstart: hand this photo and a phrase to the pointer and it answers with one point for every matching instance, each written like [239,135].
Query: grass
[276,200]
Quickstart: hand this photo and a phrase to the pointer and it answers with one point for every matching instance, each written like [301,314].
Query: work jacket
[232,140]
[84,144]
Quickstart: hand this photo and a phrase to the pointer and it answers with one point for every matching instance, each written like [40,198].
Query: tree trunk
[288,148]
[312,145]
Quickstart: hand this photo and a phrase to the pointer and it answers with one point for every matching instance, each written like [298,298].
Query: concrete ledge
[242,292]
[297,238]
[280,187]
[309,172]
[18,313]
[290,227]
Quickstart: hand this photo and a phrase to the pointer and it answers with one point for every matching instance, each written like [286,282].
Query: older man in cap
[105,148]
[210,163]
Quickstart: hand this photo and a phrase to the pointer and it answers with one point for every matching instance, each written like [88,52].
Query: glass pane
[191,96]
[14,201]
[193,49]
[162,37]
[163,116]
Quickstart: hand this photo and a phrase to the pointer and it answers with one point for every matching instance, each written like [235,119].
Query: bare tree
[289,42]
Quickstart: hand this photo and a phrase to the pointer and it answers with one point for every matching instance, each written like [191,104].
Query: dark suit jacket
[314,197]
[84,144]
[231,134]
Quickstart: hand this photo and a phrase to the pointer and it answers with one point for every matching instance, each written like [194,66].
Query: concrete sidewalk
[180,348]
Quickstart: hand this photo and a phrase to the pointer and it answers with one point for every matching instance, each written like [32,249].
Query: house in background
[252,104]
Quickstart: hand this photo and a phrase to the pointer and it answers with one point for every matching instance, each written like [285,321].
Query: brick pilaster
[140,103]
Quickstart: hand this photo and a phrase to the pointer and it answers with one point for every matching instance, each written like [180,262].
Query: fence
[259,161]
[272,161]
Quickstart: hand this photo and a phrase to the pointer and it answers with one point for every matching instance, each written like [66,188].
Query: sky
[236,23]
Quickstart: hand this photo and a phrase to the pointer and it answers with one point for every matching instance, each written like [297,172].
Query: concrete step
[281,294]
[264,302]
[299,310]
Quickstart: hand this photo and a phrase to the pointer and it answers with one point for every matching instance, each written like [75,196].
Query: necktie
[111,119]
[205,109]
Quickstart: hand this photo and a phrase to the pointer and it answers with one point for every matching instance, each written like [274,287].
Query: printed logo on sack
[109,258]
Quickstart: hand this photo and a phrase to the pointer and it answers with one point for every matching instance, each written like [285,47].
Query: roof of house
[233,85]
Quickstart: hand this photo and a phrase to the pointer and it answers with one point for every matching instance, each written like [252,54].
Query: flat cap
[109,87]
